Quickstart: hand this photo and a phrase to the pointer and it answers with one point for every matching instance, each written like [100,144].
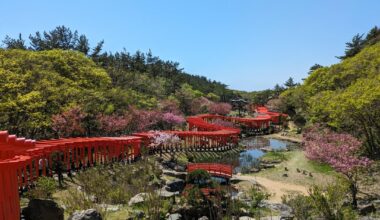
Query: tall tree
[314,67]
[353,47]
[11,43]
[290,83]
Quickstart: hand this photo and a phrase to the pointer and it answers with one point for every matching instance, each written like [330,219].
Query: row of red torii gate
[22,160]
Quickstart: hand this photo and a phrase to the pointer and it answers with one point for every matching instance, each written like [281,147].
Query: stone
[254,170]
[40,209]
[203,218]
[366,209]
[246,218]
[286,215]
[175,185]
[172,173]
[137,214]
[174,216]
[180,168]
[138,198]
[89,214]
[276,206]
[166,194]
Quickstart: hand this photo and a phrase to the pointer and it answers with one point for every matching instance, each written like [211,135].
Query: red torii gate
[20,161]
[20,157]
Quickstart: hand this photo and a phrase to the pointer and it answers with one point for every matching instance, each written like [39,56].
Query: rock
[39,209]
[166,194]
[175,216]
[180,168]
[266,166]
[169,164]
[254,170]
[203,218]
[239,195]
[246,218]
[277,206]
[286,215]
[138,198]
[89,214]
[172,173]
[137,214]
[175,185]
[366,209]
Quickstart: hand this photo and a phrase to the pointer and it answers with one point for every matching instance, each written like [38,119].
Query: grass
[275,156]
[321,173]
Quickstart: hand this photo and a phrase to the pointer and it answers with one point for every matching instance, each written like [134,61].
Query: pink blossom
[223,123]
[173,119]
[163,138]
[338,150]
[69,123]
[220,108]
[112,124]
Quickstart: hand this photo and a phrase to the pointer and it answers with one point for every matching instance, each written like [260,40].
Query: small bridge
[214,169]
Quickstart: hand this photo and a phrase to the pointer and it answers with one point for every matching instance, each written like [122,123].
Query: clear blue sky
[248,45]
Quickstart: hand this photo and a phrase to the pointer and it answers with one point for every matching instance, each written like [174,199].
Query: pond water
[254,145]
[248,158]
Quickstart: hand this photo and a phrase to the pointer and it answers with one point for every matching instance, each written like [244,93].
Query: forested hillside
[56,85]
[344,96]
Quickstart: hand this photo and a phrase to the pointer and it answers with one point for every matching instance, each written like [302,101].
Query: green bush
[300,204]
[44,189]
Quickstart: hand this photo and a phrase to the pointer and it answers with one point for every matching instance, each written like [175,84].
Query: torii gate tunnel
[22,160]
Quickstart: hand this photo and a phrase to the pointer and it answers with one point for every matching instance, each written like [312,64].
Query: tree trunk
[354,191]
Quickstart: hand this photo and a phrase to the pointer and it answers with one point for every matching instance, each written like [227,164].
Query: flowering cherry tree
[113,124]
[161,139]
[223,123]
[338,150]
[69,122]
[142,120]
[219,108]
[172,119]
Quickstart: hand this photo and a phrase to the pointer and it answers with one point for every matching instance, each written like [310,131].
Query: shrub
[44,189]
[300,204]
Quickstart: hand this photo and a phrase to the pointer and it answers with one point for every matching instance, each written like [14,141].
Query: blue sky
[248,45]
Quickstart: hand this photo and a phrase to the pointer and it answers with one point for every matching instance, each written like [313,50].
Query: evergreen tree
[314,67]
[11,43]
[290,83]
[353,47]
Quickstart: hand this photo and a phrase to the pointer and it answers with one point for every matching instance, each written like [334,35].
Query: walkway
[276,188]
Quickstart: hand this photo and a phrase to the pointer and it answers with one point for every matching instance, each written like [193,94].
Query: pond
[256,147]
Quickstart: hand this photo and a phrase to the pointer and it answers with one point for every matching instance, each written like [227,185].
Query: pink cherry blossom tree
[170,119]
[161,139]
[113,124]
[219,108]
[340,151]
[223,123]
[143,120]
[69,122]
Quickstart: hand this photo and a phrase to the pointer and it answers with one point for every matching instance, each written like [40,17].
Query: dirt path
[296,139]
[276,188]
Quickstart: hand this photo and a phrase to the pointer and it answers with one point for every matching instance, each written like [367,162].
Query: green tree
[290,83]
[11,43]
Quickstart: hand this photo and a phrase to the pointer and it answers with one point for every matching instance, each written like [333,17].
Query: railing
[214,169]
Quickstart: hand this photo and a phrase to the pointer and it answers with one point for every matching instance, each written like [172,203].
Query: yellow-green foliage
[35,85]
[345,95]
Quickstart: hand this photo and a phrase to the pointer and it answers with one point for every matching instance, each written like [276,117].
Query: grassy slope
[322,174]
